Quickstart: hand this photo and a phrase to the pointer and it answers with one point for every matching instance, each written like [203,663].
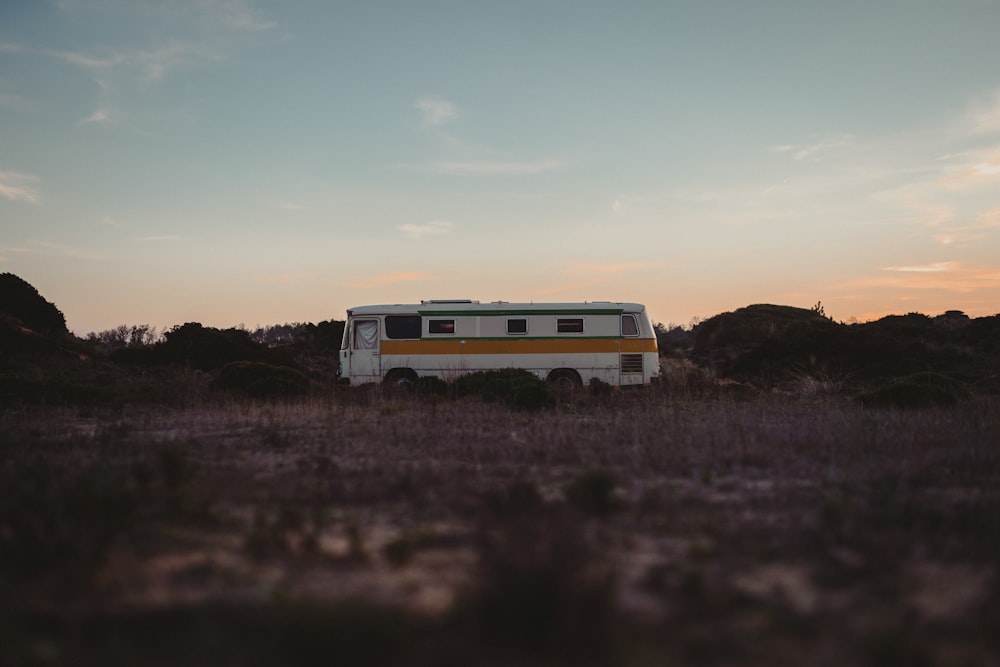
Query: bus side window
[518,326]
[629,326]
[569,325]
[441,326]
[402,326]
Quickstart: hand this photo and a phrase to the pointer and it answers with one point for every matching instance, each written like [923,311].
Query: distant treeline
[177,344]
[762,347]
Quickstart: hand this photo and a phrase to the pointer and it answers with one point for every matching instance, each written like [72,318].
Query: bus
[567,344]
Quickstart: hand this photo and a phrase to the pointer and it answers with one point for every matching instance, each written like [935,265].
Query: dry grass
[636,528]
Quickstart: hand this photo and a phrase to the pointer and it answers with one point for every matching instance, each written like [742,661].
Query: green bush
[260,380]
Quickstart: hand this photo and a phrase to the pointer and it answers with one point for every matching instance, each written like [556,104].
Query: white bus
[567,344]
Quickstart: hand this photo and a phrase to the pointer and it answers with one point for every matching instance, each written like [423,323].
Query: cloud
[160,238]
[981,173]
[809,151]
[941,276]
[11,100]
[89,62]
[235,15]
[390,278]
[980,226]
[19,187]
[432,228]
[988,219]
[436,111]
[627,204]
[603,267]
[934,267]
[62,250]
[227,15]
[146,65]
[494,168]
[188,33]
[985,117]
[5,252]
[99,117]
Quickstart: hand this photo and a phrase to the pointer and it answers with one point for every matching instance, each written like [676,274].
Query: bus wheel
[565,380]
[400,378]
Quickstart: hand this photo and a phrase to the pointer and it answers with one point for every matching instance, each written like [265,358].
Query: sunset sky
[234,162]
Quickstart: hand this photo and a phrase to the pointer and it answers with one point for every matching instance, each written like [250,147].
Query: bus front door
[365,361]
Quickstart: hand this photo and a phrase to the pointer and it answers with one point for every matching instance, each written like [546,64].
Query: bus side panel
[603,366]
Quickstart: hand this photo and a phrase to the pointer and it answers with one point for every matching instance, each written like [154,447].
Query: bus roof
[469,307]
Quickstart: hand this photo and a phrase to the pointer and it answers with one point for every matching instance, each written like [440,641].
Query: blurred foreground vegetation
[630,529]
[796,491]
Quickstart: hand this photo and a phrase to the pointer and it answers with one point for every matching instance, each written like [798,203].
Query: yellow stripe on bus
[517,346]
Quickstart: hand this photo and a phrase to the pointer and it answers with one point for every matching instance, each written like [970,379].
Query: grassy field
[636,528]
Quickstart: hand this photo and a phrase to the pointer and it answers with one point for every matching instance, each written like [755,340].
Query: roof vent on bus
[449,301]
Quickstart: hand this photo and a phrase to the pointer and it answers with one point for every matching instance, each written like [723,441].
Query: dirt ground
[631,529]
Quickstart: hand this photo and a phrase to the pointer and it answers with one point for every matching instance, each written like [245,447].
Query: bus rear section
[568,344]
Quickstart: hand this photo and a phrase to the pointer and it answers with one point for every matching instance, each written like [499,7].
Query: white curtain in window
[366,335]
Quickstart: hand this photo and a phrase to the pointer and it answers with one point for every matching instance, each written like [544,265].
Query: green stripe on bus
[519,313]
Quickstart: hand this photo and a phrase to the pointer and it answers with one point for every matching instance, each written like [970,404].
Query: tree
[21,301]
[124,336]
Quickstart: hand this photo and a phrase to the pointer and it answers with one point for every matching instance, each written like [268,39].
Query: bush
[593,493]
[431,385]
[599,388]
[920,390]
[513,387]
[750,326]
[544,591]
[261,380]
[206,348]
[23,302]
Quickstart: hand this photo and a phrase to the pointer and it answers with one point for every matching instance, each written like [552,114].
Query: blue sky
[235,162]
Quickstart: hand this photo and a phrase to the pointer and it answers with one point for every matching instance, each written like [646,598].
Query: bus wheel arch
[401,378]
[565,379]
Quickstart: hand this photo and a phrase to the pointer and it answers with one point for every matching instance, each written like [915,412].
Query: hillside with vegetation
[899,359]
[795,491]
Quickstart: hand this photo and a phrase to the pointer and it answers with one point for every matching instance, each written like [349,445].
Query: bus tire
[400,378]
[565,380]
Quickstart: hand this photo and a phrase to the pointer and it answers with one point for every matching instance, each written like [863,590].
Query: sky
[246,163]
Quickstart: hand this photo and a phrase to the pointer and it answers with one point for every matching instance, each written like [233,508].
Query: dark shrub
[672,340]
[20,300]
[61,524]
[760,340]
[983,335]
[531,395]
[598,387]
[518,498]
[543,591]
[592,493]
[514,387]
[431,386]
[920,390]
[261,380]
[326,335]
[751,326]
[206,348]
